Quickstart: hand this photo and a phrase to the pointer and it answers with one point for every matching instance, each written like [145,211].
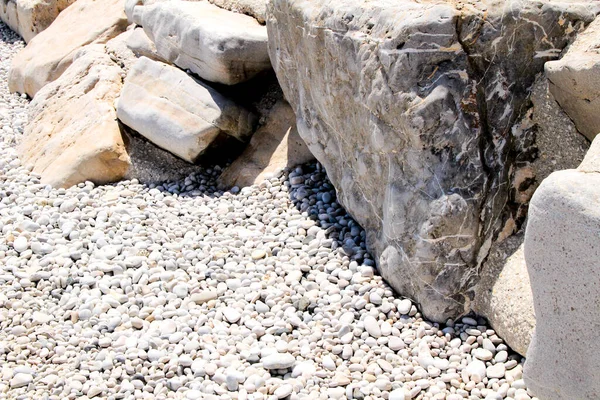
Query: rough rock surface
[218,45]
[410,107]
[274,147]
[141,45]
[73,135]
[118,49]
[177,112]
[30,17]
[562,252]
[575,81]
[254,8]
[503,295]
[51,52]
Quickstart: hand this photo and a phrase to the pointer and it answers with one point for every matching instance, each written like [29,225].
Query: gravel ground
[182,291]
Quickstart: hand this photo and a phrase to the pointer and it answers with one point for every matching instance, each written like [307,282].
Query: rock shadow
[312,193]
[7,35]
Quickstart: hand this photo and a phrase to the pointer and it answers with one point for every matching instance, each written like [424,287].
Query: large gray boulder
[562,252]
[218,45]
[51,52]
[30,17]
[177,112]
[410,107]
[575,81]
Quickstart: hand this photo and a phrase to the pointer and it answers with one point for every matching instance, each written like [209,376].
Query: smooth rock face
[504,294]
[410,107]
[274,146]
[254,8]
[278,361]
[177,112]
[575,81]
[51,52]
[30,17]
[562,253]
[218,45]
[73,135]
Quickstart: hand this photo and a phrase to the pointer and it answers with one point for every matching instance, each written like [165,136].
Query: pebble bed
[181,291]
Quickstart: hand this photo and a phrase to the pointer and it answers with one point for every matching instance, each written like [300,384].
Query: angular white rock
[218,45]
[177,112]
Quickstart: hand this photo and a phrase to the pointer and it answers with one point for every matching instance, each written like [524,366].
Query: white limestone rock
[218,45]
[275,146]
[177,112]
[30,17]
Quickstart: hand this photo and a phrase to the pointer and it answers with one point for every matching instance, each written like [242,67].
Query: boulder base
[504,294]
[73,135]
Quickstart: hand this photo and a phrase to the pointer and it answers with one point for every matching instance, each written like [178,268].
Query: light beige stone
[275,146]
[562,249]
[389,98]
[51,52]
[575,80]
[504,296]
[177,112]
[30,17]
[120,52]
[73,135]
